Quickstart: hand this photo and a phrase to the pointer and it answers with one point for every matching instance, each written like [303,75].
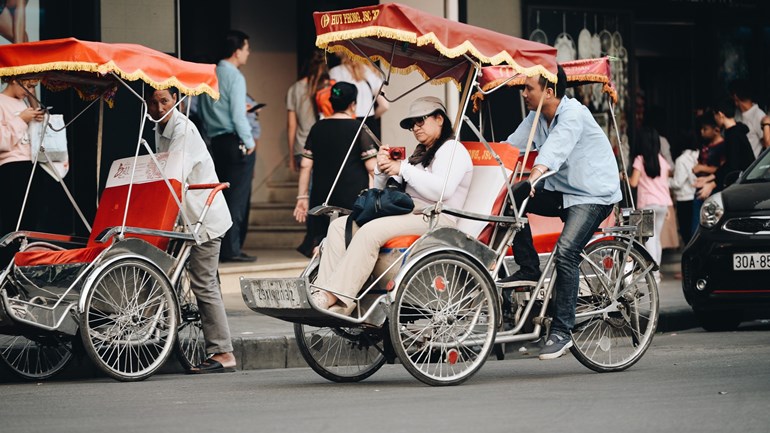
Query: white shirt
[682,184]
[366,88]
[426,183]
[752,118]
[181,135]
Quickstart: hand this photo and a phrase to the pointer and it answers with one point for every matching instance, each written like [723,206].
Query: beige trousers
[345,271]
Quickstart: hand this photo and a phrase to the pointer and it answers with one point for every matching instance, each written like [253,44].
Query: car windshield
[760,172]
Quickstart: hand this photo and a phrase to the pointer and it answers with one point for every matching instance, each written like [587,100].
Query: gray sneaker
[555,346]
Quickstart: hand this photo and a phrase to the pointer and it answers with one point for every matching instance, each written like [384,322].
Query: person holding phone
[432,166]
[325,149]
[16,154]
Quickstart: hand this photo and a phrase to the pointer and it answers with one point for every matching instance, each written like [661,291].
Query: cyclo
[432,301]
[122,293]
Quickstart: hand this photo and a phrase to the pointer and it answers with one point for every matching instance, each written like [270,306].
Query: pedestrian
[325,150]
[301,109]
[650,175]
[176,133]
[682,185]
[748,113]
[16,154]
[738,154]
[232,145]
[582,193]
[710,158]
[368,83]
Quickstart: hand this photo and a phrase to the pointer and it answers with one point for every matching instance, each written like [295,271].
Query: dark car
[726,265]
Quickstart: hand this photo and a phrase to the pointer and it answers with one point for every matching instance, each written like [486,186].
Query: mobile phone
[397,152]
[255,107]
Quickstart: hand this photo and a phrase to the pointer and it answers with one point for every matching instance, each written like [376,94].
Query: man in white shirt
[176,133]
[748,113]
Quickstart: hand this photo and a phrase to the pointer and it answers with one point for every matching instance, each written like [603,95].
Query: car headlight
[712,211]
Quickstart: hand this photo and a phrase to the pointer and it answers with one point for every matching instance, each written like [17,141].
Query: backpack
[323,102]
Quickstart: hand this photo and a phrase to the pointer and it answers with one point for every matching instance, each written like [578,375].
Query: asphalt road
[687,382]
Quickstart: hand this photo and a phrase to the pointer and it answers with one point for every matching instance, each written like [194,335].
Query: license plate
[277,292]
[751,262]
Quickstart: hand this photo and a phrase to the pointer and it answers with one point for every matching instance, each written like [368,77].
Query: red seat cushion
[400,242]
[39,258]
[152,206]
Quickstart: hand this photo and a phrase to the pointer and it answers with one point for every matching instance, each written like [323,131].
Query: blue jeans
[580,223]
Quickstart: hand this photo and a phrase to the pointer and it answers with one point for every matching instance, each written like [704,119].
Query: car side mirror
[732,177]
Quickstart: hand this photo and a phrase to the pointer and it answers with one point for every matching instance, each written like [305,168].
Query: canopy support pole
[620,152]
[531,137]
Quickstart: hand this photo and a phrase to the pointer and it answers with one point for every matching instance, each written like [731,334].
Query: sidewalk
[263,342]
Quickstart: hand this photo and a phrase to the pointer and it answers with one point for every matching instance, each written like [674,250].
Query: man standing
[176,133]
[581,193]
[748,113]
[232,144]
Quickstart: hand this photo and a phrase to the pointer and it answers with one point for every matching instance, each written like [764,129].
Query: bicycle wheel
[190,348]
[614,327]
[35,357]
[443,320]
[129,321]
[341,354]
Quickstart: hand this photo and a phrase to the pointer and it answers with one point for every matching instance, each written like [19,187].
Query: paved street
[689,381]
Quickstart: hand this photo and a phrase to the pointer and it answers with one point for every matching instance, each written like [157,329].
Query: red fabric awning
[87,65]
[579,72]
[409,39]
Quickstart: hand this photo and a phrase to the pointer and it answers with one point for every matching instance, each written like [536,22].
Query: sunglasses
[419,121]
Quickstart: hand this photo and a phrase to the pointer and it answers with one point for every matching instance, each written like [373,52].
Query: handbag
[376,203]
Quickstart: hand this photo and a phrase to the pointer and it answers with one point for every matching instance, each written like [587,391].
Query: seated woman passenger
[345,270]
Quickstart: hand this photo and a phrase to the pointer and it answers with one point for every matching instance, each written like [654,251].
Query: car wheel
[718,320]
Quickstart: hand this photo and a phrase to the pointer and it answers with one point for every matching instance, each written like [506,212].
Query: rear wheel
[617,307]
[129,322]
[444,319]
[190,347]
[35,357]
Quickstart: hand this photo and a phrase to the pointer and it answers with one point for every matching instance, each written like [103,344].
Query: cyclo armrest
[110,232]
[215,187]
[478,217]
[328,210]
[10,237]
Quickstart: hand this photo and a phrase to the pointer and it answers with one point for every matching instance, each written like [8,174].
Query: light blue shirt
[578,149]
[228,114]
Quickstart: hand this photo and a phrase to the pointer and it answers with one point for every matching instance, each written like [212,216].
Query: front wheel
[341,354]
[443,321]
[129,322]
[617,307]
[35,357]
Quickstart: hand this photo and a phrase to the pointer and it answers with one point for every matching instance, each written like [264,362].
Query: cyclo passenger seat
[152,206]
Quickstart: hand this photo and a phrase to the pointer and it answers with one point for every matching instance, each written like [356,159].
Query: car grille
[750,226]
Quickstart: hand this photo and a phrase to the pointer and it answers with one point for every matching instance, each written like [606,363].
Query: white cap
[422,107]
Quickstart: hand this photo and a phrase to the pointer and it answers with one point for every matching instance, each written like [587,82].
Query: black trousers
[238,169]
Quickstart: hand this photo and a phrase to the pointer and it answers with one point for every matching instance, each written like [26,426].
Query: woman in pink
[16,152]
[650,177]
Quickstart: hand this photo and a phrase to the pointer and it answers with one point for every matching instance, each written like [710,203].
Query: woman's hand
[300,210]
[30,114]
[387,165]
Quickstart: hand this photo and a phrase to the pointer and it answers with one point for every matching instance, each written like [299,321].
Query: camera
[397,152]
